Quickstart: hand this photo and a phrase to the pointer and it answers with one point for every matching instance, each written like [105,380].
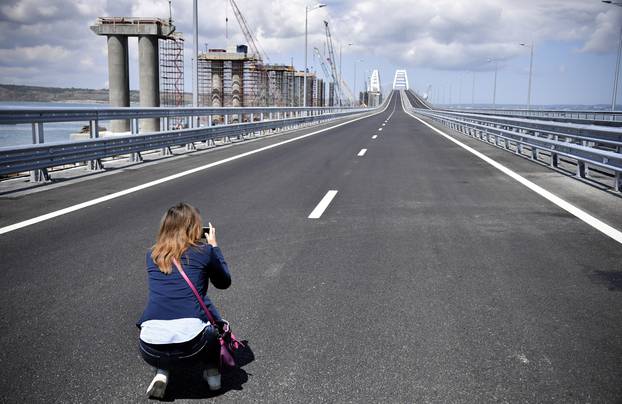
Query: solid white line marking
[321,207]
[362,152]
[375,136]
[150,184]
[568,207]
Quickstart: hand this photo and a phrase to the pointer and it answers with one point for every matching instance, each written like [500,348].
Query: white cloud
[441,34]
[603,38]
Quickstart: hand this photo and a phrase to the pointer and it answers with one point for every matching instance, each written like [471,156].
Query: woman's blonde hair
[180,228]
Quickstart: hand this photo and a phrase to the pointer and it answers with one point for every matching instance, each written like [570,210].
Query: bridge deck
[431,276]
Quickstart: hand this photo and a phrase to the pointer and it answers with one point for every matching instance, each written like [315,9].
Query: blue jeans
[204,348]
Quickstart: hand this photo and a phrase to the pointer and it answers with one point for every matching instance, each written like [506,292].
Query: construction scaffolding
[233,78]
[172,70]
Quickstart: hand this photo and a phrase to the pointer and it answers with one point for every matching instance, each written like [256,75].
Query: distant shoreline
[23,93]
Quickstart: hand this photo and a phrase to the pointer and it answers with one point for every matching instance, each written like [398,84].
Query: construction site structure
[315,90]
[172,73]
[235,78]
[117,30]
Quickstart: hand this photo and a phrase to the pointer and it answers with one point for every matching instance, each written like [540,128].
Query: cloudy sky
[445,44]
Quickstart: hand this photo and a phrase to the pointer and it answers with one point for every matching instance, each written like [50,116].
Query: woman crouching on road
[174,330]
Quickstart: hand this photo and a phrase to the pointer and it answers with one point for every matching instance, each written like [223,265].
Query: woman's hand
[211,236]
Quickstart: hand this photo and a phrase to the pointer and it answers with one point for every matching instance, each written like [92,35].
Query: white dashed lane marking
[321,207]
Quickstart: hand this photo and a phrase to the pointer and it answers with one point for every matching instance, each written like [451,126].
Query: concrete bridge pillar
[149,65]
[118,79]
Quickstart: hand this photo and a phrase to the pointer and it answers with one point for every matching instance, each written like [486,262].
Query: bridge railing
[40,156]
[611,118]
[594,151]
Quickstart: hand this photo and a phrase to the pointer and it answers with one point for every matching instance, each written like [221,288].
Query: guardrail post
[617,185]
[519,148]
[40,175]
[96,164]
[135,157]
[554,160]
[534,153]
[226,119]
[581,169]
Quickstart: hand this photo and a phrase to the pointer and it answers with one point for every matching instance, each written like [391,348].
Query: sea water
[18,135]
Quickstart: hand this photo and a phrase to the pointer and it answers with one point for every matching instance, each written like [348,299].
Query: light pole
[340,76]
[473,90]
[195,61]
[494,89]
[460,88]
[617,74]
[530,75]
[356,96]
[304,84]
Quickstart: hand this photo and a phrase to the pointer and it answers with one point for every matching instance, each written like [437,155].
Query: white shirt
[171,331]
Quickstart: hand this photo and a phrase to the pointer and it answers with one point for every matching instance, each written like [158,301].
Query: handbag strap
[194,290]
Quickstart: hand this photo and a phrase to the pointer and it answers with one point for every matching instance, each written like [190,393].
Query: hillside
[12,93]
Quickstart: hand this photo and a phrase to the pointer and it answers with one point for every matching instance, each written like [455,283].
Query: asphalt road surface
[429,277]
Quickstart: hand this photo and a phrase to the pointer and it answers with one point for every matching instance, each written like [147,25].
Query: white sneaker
[158,384]
[212,377]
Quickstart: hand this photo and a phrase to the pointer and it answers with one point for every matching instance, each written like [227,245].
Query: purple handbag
[228,342]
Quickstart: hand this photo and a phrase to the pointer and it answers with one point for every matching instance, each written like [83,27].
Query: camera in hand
[204,231]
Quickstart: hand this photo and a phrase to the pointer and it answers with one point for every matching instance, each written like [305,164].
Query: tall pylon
[400,80]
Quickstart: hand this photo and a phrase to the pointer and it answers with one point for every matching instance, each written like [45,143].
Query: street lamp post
[494,89]
[340,76]
[355,95]
[304,84]
[617,71]
[530,74]
[473,90]
[195,61]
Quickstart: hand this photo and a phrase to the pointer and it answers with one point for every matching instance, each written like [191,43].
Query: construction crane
[324,68]
[341,88]
[252,43]
[345,90]
[259,54]
[331,62]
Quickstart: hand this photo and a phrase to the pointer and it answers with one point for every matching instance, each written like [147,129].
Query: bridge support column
[118,79]
[149,65]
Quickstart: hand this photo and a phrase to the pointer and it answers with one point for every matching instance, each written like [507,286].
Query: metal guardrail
[610,118]
[551,144]
[596,135]
[14,116]
[37,158]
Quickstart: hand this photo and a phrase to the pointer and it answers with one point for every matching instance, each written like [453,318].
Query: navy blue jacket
[171,298]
